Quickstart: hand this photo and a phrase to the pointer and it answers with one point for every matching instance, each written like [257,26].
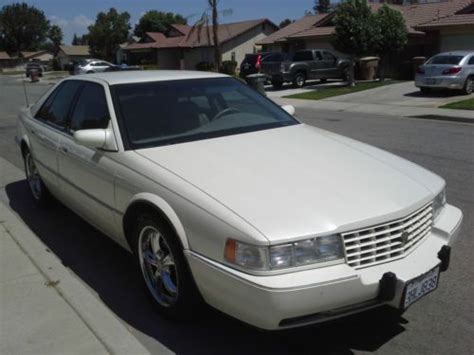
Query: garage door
[457,42]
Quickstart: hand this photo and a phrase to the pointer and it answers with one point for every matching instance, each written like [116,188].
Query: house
[44,57]
[431,26]
[67,54]
[183,48]
[121,56]
[5,60]
[454,31]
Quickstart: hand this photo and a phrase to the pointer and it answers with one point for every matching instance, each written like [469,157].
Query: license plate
[419,287]
[430,81]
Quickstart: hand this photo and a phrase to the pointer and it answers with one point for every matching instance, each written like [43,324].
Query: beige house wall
[238,47]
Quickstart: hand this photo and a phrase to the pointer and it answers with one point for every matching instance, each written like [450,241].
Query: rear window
[446,59]
[278,57]
[251,58]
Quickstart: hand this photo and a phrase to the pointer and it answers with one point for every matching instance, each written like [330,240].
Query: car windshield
[169,112]
[446,59]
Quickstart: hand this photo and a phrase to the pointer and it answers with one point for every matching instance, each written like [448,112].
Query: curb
[108,329]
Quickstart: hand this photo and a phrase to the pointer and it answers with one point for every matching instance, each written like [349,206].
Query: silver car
[450,70]
[88,66]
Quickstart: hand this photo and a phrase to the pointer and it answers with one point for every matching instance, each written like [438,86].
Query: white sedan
[224,197]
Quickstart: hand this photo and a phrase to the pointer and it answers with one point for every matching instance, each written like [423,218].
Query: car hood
[299,181]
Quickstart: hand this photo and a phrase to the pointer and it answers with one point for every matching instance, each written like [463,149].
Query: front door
[46,129]
[86,174]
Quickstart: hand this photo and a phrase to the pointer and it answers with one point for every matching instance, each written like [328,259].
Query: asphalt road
[441,323]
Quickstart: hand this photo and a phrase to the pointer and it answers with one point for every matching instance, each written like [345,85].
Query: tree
[107,33]
[357,32]
[322,6]
[55,35]
[215,24]
[285,23]
[203,23]
[157,21]
[393,34]
[75,40]
[22,27]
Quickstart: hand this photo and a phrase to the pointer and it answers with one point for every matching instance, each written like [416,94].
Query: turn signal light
[453,70]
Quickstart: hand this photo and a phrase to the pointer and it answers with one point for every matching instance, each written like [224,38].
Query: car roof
[463,53]
[143,76]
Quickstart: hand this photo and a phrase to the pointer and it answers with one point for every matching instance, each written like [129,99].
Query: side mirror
[92,138]
[289,108]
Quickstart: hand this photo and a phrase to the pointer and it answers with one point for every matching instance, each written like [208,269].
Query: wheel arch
[147,202]
[24,145]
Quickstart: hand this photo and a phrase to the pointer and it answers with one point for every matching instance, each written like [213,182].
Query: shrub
[205,66]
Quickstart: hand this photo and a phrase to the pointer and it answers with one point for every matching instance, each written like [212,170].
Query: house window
[232,56]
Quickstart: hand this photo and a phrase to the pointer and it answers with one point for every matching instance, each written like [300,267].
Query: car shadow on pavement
[435,93]
[108,270]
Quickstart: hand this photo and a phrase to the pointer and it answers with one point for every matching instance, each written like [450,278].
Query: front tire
[38,189]
[299,80]
[425,90]
[469,86]
[164,270]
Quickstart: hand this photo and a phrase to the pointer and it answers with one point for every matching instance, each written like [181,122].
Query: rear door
[317,66]
[47,128]
[86,174]
[330,65]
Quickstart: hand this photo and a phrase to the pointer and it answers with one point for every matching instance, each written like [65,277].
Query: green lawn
[343,90]
[461,105]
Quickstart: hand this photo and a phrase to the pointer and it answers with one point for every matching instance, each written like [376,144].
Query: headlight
[438,203]
[305,252]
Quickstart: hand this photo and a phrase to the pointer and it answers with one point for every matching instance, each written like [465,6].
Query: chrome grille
[387,241]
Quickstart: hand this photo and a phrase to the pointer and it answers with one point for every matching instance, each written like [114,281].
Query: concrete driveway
[403,94]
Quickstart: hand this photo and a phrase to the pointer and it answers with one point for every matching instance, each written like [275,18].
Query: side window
[471,61]
[303,56]
[91,109]
[328,56]
[56,107]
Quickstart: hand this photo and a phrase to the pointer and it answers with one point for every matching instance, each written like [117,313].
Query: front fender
[167,210]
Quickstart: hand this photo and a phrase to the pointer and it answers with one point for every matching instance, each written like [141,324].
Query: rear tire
[90,72]
[299,80]
[38,189]
[164,270]
[425,90]
[469,86]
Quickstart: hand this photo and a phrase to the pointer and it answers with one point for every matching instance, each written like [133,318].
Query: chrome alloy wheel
[158,266]
[300,80]
[32,175]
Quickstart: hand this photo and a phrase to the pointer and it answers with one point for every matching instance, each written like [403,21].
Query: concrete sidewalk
[44,308]
[402,99]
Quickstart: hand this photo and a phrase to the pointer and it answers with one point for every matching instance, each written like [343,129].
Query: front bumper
[320,294]
[441,82]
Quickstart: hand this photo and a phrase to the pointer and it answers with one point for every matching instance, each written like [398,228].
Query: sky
[73,16]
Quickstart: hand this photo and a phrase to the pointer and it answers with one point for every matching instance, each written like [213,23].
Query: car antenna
[26,95]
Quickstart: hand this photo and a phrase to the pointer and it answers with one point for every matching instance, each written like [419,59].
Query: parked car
[252,62]
[122,67]
[89,66]
[307,64]
[450,70]
[30,66]
[224,197]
